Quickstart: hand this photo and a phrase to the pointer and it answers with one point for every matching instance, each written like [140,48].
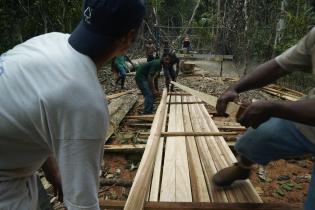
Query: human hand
[224,99]
[256,114]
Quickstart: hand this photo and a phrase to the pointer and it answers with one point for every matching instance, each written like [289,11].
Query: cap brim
[88,42]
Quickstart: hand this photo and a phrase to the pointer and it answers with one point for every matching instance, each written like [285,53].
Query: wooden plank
[213,152]
[140,117]
[113,96]
[178,133]
[194,102]
[141,182]
[221,206]
[113,204]
[232,108]
[209,169]
[234,194]
[123,148]
[246,186]
[198,183]
[168,184]
[183,189]
[156,179]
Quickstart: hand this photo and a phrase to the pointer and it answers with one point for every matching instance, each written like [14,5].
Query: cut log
[118,108]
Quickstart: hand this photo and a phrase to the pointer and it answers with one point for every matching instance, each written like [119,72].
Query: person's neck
[101,60]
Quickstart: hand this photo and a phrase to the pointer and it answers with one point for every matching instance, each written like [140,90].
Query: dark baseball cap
[103,22]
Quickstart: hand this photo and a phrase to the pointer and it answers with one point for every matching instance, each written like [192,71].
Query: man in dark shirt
[147,76]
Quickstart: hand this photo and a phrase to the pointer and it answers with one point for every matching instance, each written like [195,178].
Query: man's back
[51,101]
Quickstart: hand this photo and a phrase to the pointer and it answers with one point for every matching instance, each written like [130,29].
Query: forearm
[299,111]
[261,76]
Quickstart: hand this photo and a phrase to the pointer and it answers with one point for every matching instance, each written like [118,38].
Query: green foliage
[23,19]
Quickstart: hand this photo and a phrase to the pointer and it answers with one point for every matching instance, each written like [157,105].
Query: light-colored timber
[231,109]
[142,180]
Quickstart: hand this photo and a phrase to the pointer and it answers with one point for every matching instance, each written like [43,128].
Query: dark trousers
[122,77]
[143,85]
[169,74]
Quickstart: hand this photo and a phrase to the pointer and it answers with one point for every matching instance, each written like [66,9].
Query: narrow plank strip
[214,153]
[198,183]
[182,179]
[113,204]
[156,179]
[168,190]
[247,188]
[234,194]
[209,169]
[121,148]
[141,182]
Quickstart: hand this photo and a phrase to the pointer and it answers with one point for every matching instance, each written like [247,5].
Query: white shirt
[51,102]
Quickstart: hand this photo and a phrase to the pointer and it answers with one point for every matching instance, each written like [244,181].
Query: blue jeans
[143,85]
[277,139]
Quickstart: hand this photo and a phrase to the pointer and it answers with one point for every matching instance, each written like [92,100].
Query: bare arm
[261,76]
[52,175]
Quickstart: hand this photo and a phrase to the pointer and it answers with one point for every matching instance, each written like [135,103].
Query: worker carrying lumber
[278,129]
[147,76]
[150,50]
[53,104]
[119,67]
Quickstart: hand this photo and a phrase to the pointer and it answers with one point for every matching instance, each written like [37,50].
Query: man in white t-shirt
[53,105]
[279,129]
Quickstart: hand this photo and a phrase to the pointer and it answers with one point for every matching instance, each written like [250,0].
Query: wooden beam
[140,125]
[198,184]
[178,133]
[113,96]
[158,165]
[124,148]
[183,186]
[168,187]
[141,184]
[193,102]
[113,204]
[232,108]
[245,187]
[141,117]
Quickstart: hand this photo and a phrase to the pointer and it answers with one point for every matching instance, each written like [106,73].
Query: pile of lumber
[283,93]
[180,168]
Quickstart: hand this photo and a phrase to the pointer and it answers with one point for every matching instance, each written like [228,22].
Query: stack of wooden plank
[282,92]
[184,165]
[191,161]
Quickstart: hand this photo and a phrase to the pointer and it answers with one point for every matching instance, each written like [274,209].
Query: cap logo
[88,15]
